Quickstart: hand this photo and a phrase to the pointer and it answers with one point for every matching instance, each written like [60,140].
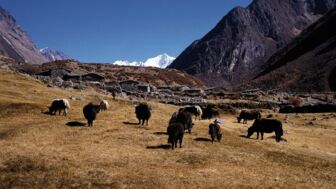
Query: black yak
[90,112]
[59,105]
[215,131]
[104,105]
[266,126]
[175,132]
[194,110]
[248,115]
[209,112]
[185,118]
[143,113]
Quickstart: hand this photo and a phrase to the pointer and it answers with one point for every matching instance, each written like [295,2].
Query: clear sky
[109,30]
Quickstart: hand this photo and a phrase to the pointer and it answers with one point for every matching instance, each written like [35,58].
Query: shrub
[295,100]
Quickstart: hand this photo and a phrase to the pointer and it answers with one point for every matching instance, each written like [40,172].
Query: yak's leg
[65,112]
[262,135]
[181,142]
[277,137]
[257,135]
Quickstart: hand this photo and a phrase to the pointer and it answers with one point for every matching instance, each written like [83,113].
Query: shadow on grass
[54,114]
[202,139]
[130,123]
[281,138]
[160,133]
[46,113]
[75,124]
[251,138]
[161,146]
[6,134]
[243,136]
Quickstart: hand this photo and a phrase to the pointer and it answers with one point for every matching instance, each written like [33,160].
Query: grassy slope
[39,150]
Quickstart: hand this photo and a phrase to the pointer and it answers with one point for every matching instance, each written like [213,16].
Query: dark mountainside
[308,63]
[237,48]
[15,43]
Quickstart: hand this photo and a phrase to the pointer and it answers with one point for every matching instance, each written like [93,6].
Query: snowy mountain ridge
[160,61]
[52,55]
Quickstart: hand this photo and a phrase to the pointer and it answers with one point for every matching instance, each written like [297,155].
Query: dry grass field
[41,151]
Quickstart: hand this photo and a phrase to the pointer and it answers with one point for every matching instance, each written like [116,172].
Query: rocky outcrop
[14,41]
[236,49]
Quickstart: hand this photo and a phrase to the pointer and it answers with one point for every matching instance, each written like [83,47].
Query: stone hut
[53,73]
[129,85]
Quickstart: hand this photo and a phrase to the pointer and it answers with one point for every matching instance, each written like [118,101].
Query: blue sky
[109,30]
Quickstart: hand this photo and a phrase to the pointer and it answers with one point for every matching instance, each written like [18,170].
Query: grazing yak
[248,115]
[59,105]
[90,112]
[104,105]
[184,118]
[266,126]
[143,113]
[215,131]
[175,131]
[194,110]
[209,112]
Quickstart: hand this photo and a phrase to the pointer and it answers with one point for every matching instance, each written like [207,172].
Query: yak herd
[181,120]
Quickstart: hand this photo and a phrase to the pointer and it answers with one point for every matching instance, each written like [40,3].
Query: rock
[67,84]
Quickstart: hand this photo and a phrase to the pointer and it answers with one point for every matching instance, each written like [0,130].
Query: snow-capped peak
[160,61]
[52,55]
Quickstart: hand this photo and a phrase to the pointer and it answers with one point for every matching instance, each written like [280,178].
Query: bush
[295,100]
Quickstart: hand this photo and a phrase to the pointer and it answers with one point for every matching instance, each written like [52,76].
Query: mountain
[160,61]
[308,63]
[235,50]
[52,55]
[14,41]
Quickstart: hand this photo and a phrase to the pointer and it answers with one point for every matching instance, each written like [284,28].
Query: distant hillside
[234,51]
[14,41]
[308,63]
[52,55]
[151,75]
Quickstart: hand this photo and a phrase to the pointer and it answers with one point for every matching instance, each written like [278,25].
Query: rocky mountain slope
[14,41]
[160,61]
[52,55]
[308,63]
[235,50]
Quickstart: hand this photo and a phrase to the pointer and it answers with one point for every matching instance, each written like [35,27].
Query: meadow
[38,150]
